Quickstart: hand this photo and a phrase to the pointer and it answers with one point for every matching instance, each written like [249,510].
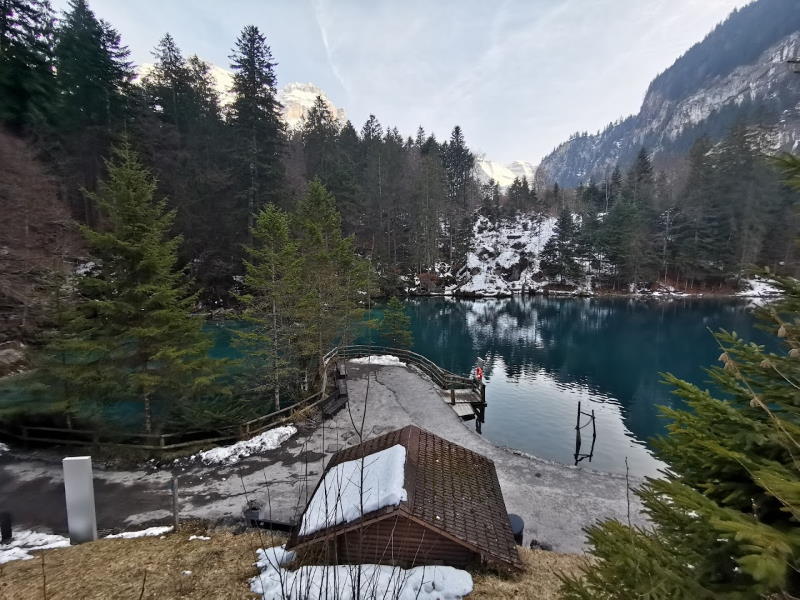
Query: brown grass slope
[220,570]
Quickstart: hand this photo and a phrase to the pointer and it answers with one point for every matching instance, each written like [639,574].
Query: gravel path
[555,501]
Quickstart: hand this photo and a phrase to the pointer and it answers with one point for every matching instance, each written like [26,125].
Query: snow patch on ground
[25,542]
[382,360]
[376,581]
[226,455]
[149,532]
[199,537]
[340,496]
[758,287]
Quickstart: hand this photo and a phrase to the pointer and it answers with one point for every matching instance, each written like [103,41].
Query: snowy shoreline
[655,295]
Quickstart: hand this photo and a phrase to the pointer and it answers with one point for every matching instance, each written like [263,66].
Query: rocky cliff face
[737,74]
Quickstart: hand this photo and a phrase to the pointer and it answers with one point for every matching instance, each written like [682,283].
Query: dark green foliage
[180,131]
[272,283]
[92,69]
[395,326]
[258,132]
[333,281]
[26,65]
[726,512]
[129,334]
[93,78]
[520,197]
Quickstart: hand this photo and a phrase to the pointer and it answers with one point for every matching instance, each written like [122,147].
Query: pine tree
[26,69]
[131,335]
[320,132]
[93,78]
[258,130]
[180,129]
[458,164]
[395,327]
[93,72]
[333,279]
[167,84]
[560,254]
[271,279]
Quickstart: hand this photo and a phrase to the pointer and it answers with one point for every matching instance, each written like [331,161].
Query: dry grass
[539,581]
[107,569]
[221,569]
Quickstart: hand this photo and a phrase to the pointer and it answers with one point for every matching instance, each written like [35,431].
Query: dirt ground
[174,567]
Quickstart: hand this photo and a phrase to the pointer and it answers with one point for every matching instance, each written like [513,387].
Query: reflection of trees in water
[614,346]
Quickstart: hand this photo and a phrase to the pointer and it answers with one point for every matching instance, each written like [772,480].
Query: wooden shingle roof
[450,489]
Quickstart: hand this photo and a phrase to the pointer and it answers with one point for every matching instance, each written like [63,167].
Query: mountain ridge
[727,78]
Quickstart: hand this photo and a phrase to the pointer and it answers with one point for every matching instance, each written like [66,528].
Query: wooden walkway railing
[176,441]
[441,377]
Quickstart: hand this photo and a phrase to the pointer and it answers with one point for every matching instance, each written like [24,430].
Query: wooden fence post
[452,394]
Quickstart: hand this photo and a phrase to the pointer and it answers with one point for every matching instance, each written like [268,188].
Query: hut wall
[400,541]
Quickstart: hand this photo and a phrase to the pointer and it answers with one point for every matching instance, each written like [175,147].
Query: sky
[518,76]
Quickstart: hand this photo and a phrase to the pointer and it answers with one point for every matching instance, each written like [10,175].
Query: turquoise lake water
[544,355]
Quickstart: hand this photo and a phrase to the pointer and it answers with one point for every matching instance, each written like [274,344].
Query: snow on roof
[374,482]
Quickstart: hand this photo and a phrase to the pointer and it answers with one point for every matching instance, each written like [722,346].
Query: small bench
[337,399]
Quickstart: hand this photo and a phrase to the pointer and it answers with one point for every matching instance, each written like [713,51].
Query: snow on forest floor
[383,360]
[505,255]
[374,581]
[758,287]
[226,455]
[25,542]
[131,535]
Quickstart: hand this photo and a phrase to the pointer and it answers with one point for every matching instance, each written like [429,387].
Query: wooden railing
[176,441]
[160,441]
[441,377]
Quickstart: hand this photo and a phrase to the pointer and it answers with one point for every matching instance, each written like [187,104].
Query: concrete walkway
[555,501]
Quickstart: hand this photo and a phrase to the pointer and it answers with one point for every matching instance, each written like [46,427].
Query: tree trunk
[275,349]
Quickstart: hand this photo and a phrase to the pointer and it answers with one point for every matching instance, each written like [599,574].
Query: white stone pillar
[79,492]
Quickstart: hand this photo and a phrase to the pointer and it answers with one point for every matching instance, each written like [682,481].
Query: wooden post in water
[174,503]
[578,433]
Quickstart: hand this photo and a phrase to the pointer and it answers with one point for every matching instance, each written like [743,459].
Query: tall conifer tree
[258,130]
[131,335]
[26,69]
[271,280]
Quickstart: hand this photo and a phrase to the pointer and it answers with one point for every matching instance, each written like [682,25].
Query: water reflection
[543,355]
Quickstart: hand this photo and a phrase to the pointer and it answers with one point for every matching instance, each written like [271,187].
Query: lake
[544,355]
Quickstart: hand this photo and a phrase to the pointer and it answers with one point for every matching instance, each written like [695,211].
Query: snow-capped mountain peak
[503,174]
[298,98]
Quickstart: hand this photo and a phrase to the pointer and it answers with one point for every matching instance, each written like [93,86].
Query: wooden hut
[450,510]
